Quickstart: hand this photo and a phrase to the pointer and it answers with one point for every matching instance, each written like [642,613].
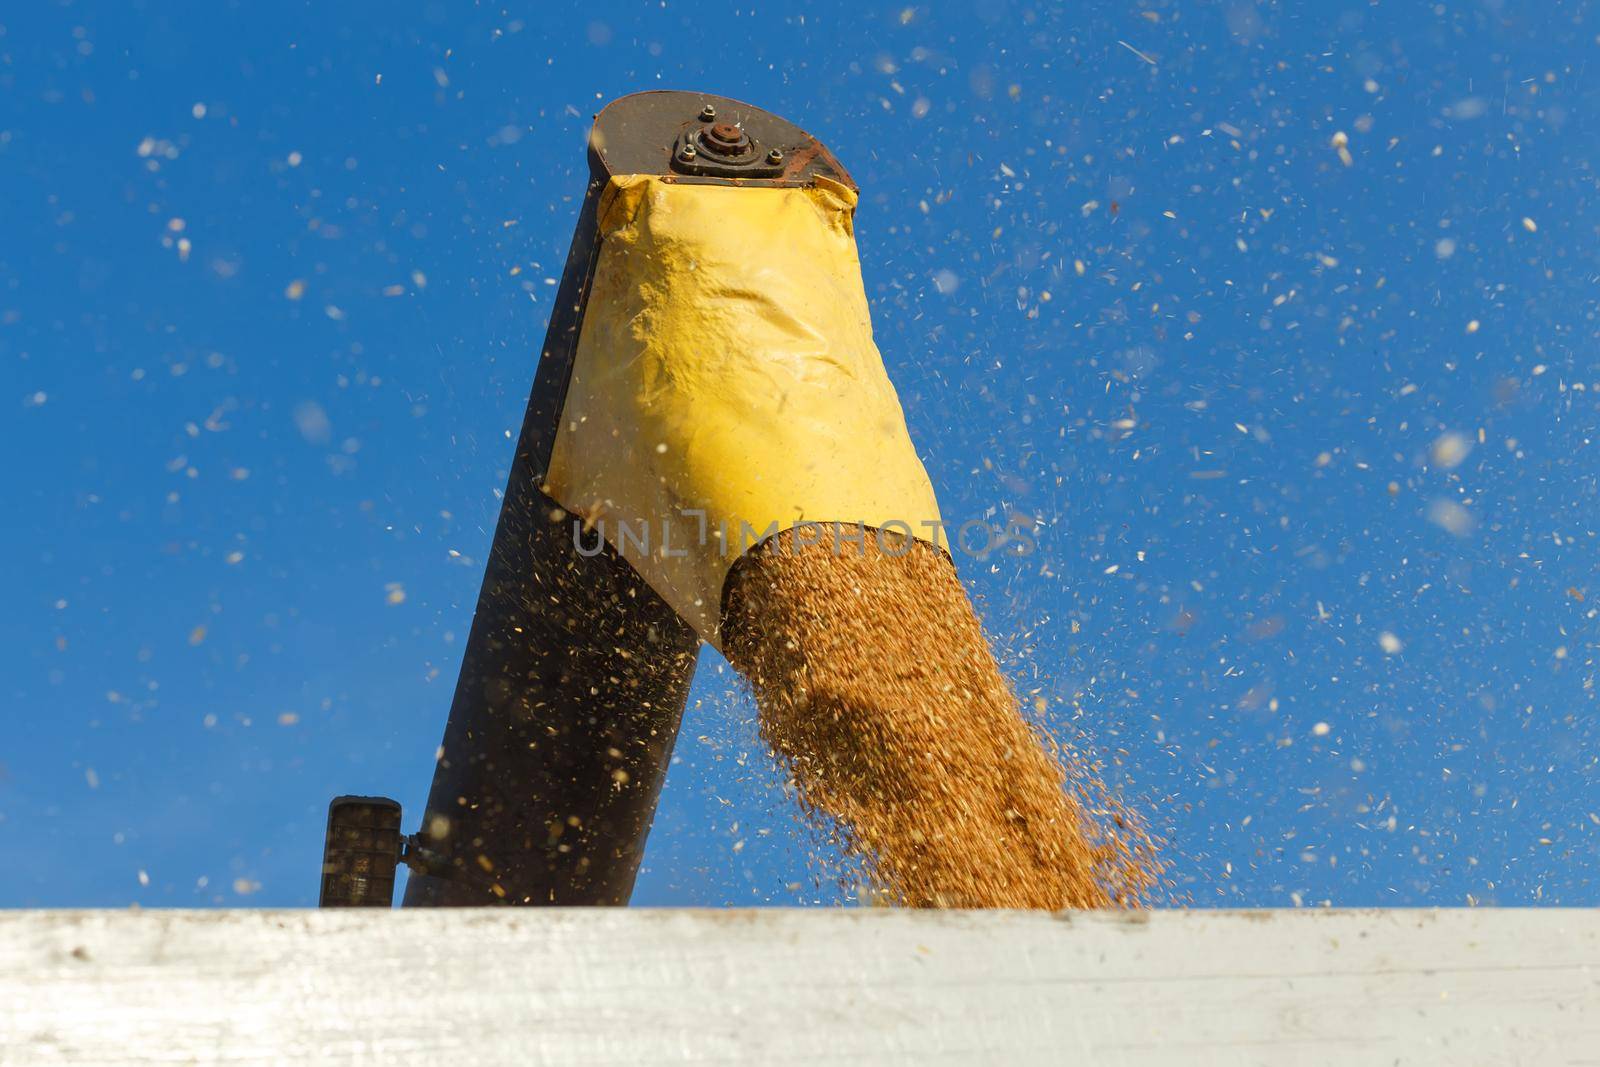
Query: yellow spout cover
[726,385]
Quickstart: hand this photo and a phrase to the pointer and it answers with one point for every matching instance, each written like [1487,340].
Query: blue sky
[1279,319]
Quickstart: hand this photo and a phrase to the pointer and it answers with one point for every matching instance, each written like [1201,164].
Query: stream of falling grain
[878,691]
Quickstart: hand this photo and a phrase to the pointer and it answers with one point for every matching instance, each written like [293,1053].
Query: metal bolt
[775,156]
[686,153]
[708,113]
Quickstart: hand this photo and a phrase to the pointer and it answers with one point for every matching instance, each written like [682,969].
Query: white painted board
[615,986]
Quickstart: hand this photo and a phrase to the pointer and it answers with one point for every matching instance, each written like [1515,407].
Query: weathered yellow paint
[726,385]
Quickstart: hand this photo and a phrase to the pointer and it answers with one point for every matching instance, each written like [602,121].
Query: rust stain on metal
[802,158]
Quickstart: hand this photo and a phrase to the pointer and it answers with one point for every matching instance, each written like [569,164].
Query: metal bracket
[723,150]
[364,848]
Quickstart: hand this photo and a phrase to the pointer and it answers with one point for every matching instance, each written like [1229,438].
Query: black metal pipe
[576,672]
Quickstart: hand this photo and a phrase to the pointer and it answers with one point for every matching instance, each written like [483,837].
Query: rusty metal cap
[725,139]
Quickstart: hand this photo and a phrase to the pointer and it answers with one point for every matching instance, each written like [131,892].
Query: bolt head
[708,113]
[775,156]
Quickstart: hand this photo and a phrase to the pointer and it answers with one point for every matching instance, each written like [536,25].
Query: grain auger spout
[713,452]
